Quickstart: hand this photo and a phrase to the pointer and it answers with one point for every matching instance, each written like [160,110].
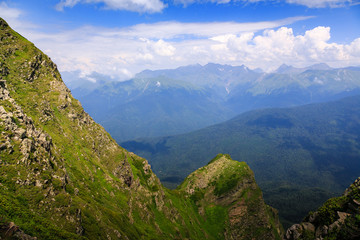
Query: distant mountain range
[300,155]
[174,101]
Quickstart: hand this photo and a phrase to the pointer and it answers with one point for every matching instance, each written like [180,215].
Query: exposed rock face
[230,184]
[338,218]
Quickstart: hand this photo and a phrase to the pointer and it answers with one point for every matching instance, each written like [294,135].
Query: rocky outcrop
[11,231]
[338,218]
[19,128]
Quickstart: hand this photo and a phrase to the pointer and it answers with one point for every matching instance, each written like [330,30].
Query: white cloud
[307,3]
[274,47]
[160,47]
[321,3]
[170,30]
[7,12]
[10,15]
[188,2]
[150,6]
[13,17]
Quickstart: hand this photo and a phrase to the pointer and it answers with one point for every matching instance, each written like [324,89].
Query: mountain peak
[285,69]
[3,23]
[226,182]
[319,66]
[288,69]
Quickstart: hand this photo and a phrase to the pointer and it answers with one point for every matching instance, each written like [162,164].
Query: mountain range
[167,102]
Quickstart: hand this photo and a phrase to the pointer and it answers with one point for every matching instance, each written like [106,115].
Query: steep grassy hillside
[296,153]
[63,177]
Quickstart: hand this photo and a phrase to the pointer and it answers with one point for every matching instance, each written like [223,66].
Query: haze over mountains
[174,101]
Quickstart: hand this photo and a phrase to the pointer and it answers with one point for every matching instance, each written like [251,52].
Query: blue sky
[122,37]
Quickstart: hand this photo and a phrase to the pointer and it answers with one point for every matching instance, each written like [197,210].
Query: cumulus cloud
[274,47]
[150,6]
[160,47]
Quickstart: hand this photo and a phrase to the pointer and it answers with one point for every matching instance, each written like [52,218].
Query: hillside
[296,153]
[63,177]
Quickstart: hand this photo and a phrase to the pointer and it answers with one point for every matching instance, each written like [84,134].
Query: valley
[301,155]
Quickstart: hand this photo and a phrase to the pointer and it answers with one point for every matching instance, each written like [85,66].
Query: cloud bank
[122,52]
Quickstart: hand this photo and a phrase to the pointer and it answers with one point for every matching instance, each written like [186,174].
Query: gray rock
[38,183]
[308,226]
[313,217]
[294,232]
[321,231]
[20,133]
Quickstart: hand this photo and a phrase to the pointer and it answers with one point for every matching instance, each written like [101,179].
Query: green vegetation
[328,211]
[337,218]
